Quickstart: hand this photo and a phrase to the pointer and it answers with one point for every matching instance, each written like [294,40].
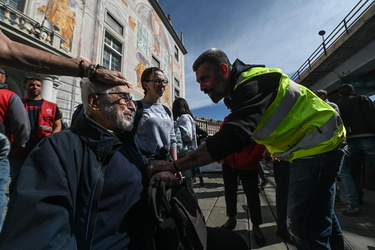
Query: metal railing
[341,29]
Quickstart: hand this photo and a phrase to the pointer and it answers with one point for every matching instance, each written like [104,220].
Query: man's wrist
[92,71]
[81,67]
[175,167]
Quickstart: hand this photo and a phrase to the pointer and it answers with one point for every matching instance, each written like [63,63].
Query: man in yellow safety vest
[292,122]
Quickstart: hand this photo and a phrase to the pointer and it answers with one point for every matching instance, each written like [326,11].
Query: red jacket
[14,117]
[46,118]
[248,158]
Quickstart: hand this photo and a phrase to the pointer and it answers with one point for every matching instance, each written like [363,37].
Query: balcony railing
[13,19]
[343,28]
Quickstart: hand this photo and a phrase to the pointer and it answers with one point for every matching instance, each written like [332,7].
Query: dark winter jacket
[358,115]
[55,204]
[14,117]
[249,102]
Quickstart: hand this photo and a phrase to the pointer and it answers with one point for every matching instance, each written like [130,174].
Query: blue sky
[278,33]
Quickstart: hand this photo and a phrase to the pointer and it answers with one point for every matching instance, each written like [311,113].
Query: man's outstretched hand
[169,178]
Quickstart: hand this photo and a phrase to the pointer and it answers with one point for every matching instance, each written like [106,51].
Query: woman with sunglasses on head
[153,123]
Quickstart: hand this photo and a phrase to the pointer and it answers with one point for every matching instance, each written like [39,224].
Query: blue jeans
[4,175]
[359,150]
[311,218]
[281,175]
[347,180]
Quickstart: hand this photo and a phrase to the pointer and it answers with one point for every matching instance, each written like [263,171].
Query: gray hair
[88,87]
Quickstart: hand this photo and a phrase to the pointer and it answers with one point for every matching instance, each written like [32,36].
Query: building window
[17,4]
[176,82]
[155,62]
[176,93]
[114,24]
[112,53]
[176,53]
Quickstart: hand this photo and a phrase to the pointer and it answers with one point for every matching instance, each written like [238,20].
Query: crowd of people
[86,187]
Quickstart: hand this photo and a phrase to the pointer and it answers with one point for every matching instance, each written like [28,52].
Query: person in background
[15,127]
[201,136]
[322,94]
[284,116]
[44,117]
[358,114]
[22,57]
[185,127]
[153,123]
[245,165]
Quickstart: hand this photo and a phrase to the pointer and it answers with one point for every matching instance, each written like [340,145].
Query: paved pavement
[359,232]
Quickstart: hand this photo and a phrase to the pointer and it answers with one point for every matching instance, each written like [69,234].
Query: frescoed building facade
[123,35]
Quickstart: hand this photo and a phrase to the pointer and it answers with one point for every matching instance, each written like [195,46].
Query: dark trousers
[249,180]
[281,175]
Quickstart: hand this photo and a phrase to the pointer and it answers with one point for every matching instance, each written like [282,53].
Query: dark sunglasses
[32,78]
[122,95]
[159,81]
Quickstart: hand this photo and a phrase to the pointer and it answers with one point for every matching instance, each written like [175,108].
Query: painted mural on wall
[142,38]
[61,13]
[140,67]
[157,29]
[150,44]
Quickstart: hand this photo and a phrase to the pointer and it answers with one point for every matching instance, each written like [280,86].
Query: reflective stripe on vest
[46,127]
[297,123]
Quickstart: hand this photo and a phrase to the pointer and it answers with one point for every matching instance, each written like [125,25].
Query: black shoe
[351,210]
[229,226]
[260,241]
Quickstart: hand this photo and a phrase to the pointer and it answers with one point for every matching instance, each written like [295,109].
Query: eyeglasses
[159,81]
[122,95]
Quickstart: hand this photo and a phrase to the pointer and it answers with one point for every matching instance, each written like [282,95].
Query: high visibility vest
[297,123]
[46,118]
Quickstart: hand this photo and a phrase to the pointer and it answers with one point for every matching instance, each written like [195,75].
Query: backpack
[177,220]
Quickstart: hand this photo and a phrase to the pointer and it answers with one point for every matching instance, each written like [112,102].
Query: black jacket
[249,102]
[57,192]
[358,115]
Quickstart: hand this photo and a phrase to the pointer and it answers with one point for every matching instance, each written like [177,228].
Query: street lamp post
[322,33]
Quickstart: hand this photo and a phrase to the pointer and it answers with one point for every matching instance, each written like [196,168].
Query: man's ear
[225,70]
[92,100]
